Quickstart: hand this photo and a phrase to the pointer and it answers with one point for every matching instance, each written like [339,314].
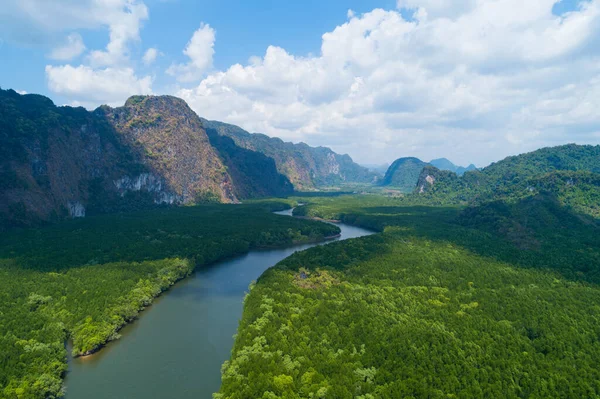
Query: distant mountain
[404,174]
[445,164]
[306,167]
[381,169]
[462,170]
[58,162]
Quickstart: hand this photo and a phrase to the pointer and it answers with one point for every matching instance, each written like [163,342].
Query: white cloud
[73,47]
[438,8]
[200,51]
[40,21]
[475,80]
[106,76]
[124,22]
[90,87]
[150,56]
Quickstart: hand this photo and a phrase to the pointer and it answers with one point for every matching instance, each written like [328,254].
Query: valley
[446,281]
[83,280]
[177,347]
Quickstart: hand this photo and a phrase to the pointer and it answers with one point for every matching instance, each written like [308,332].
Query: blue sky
[244,29]
[471,80]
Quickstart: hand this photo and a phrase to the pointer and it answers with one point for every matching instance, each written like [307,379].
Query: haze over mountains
[445,164]
[306,167]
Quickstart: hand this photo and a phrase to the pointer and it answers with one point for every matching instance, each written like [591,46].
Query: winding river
[177,347]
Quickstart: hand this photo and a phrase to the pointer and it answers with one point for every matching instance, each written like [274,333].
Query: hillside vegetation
[491,301]
[84,279]
[570,172]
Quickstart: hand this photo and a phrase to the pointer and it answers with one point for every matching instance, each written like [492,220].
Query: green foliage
[85,279]
[443,303]
[570,172]
[403,174]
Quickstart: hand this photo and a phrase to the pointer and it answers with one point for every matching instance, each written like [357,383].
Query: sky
[470,80]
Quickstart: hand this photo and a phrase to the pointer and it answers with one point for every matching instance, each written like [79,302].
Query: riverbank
[88,279]
[141,301]
[176,349]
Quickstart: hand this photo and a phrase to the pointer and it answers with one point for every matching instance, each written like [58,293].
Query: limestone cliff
[64,162]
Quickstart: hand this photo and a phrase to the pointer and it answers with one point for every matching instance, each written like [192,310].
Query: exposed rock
[168,136]
[61,162]
[76,209]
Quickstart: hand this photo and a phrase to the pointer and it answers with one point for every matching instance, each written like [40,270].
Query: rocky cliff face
[169,138]
[54,159]
[306,167]
[61,162]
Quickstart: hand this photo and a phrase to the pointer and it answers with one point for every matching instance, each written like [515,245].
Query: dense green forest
[497,300]
[485,285]
[570,172]
[84,279]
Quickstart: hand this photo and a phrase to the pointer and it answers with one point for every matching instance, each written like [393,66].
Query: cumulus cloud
[124,22]
[438,8]
[150,56]
[36,22]
[200,51]
[472,78]
[73,47]
[106,76]
[89,87]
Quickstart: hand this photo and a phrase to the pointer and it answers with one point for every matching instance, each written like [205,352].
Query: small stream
[177,346]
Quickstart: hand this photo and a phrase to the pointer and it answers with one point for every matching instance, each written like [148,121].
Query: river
[177,346]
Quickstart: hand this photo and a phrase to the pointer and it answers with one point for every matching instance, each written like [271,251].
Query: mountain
[58,162]
[462,170]
[306,167]
[445,164]
[168,137]
[569,172]
[404,174]
[381,169]
[255,174]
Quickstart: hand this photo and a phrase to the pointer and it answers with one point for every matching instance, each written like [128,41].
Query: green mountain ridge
[568,172]
[404,173]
